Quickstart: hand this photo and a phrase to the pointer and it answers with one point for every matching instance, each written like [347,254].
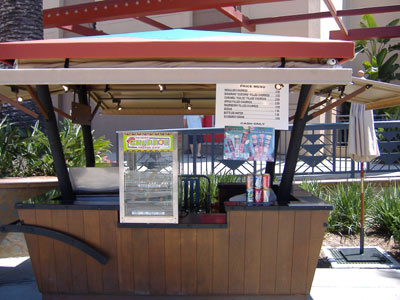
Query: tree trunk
[20,20]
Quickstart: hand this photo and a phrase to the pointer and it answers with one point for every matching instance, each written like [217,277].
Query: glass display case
[148,169]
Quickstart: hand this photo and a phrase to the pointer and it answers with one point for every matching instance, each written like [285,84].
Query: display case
[148,169]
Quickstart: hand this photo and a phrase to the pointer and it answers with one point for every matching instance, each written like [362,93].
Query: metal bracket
[57,235]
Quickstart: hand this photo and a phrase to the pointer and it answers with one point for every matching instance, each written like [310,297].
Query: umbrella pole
[362,210]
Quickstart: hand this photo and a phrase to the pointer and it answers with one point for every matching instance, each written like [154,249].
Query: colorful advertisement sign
[249,143]
[147,142]
[261,105]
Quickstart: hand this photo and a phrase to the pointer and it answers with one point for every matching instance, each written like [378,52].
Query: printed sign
[147,142]
[249,143]
[263,105]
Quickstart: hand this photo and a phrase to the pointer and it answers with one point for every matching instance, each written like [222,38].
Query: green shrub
[74,149]
[29,153]
[346,201]
[381,207]
[10,137]
[36,157]
[314,188]
[215,179]
[386,212]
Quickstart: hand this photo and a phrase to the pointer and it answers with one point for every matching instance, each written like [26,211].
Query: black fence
[323,151]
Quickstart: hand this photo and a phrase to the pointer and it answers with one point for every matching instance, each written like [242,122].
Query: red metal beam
[321,15]
[86,31]
[290,18]
[121,9]
[368,10]
[217,26]
[82,30]
[234,14]
[302,17]
[366,33]
[152,22]
[338,21]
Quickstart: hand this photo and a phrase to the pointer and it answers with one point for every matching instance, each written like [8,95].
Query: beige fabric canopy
[139,91]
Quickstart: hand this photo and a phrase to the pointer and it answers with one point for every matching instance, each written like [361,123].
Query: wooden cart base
[127,297]
[261,251]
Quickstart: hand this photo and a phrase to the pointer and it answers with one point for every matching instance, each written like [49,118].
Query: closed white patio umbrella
[363,147]
[363,144]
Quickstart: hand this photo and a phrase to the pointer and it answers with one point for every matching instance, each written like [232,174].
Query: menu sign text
[263,105]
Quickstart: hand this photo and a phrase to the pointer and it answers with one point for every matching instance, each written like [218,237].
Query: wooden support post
[59,111]
[338,102]
[294,146]
[64,181]
[86,130]
[18,106]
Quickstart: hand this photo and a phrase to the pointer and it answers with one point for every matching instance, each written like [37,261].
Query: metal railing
[323,151]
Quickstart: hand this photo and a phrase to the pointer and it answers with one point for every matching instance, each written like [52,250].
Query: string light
[186,103]
[118,101]
[15,90]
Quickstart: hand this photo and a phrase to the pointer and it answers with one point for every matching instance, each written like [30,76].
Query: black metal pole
[53,135]
[270,167]
[86,130]
[292,156]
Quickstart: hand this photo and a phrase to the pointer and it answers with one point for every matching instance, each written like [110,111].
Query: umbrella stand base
[369,255]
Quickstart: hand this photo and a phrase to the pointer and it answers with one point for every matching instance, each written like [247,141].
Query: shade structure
[363,147]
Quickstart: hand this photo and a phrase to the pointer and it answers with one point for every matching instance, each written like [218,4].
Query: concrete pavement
[356,284]
[18,283]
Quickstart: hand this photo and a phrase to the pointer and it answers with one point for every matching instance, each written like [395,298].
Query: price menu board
[263,105]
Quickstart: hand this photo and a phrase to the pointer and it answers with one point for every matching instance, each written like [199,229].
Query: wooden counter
[260,251]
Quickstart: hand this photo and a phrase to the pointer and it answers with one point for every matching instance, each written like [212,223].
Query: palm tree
[20,20]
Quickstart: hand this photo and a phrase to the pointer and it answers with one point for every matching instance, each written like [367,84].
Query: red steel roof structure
[179,44]
[72,18]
